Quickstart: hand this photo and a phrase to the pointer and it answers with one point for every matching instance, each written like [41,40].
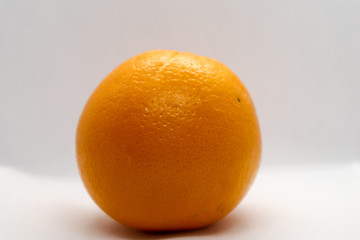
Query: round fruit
[168,141]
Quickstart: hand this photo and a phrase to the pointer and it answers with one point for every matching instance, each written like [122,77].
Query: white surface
[319,202]
[299,59]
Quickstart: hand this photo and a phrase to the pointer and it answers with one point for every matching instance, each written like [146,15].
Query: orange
[168,141]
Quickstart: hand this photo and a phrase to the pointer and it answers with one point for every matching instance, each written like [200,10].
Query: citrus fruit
[168,141]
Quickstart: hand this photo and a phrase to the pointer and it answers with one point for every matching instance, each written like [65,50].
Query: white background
[299,59]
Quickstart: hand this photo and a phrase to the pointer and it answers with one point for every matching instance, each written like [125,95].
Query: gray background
[299,59]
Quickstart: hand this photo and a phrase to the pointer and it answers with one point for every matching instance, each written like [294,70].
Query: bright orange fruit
[168,141]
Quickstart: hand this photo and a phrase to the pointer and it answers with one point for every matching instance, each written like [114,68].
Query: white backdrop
[299,59]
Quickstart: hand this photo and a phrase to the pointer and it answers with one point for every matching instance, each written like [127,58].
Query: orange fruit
[168,141]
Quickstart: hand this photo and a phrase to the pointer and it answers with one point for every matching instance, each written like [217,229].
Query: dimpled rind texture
[168,141]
